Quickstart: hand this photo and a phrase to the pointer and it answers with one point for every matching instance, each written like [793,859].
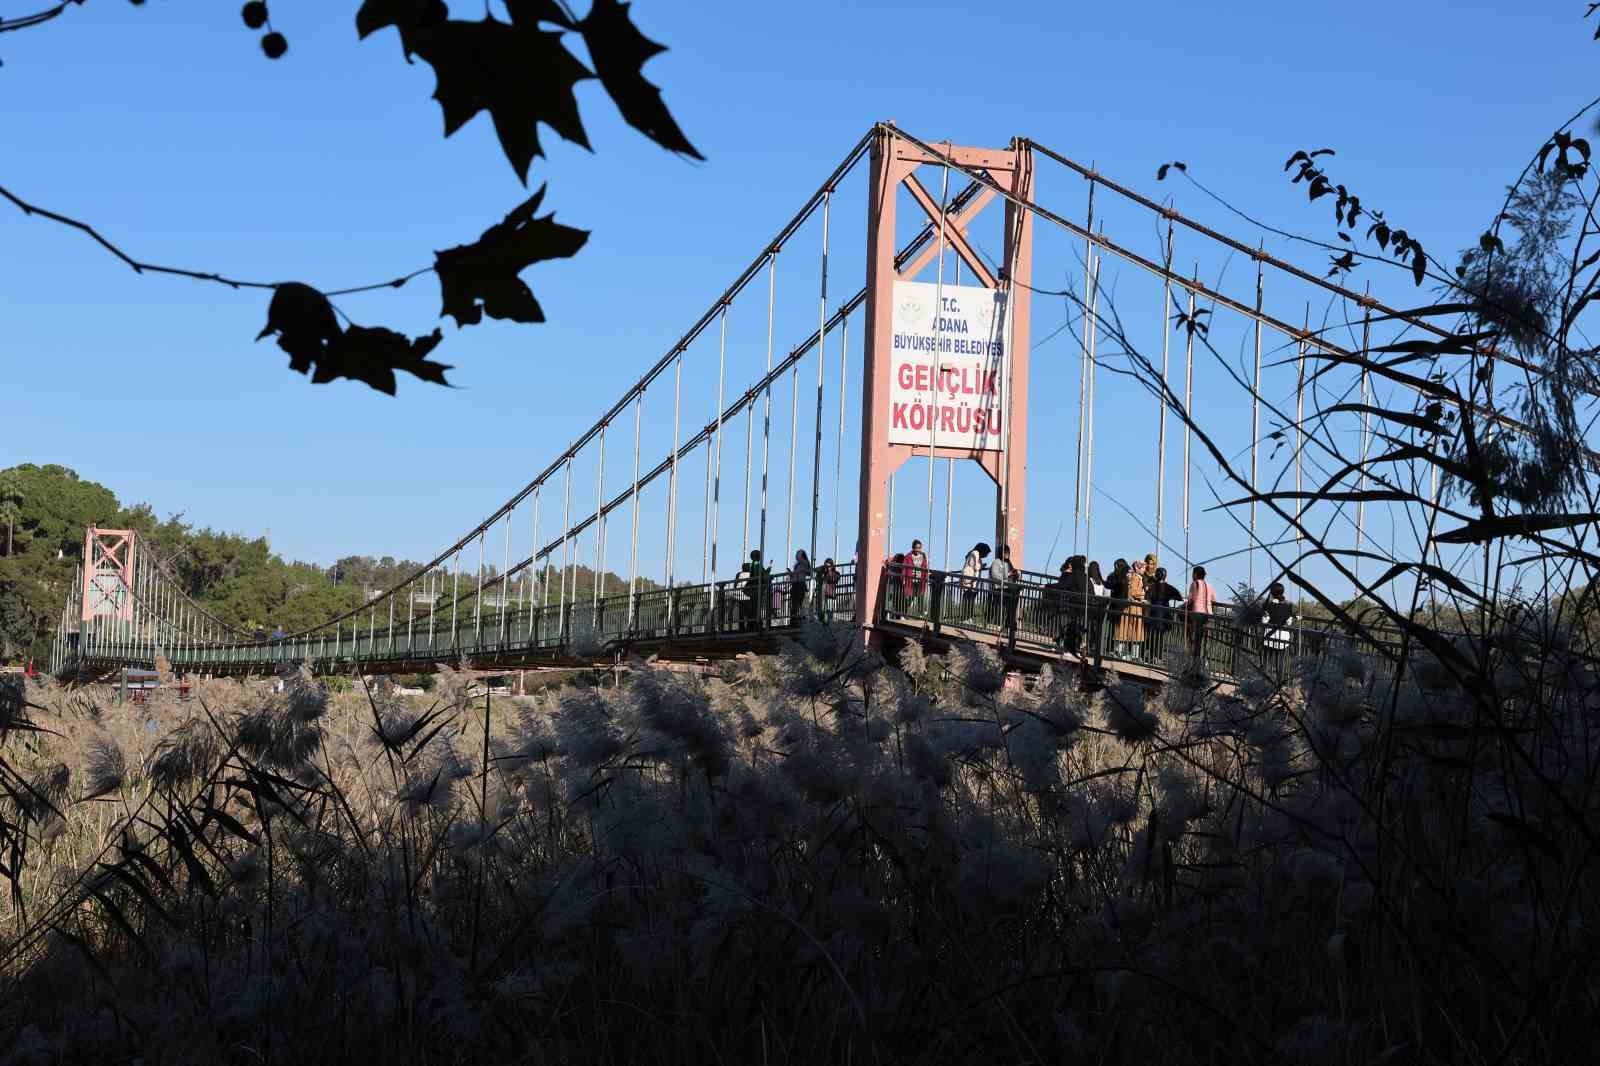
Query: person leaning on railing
[1277,616]
[894,569]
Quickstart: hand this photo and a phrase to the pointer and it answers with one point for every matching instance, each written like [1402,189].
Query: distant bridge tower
[108,577]
[108,569]
[946,371]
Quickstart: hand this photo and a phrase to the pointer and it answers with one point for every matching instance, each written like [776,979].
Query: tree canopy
[235,577]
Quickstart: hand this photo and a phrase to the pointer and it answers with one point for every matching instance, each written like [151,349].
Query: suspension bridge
[941,388]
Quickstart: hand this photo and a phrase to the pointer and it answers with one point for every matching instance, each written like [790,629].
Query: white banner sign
[948,369]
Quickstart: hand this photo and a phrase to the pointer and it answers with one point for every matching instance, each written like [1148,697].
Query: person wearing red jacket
[914,573]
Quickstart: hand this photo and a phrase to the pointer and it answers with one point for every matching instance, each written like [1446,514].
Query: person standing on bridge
[1004,589]
[1163,599]
[1131,630]
[1058,602]
[1118,604]
[1202,604]
[753,581]
[1084,618]
[1097,581]
[799,582]
[971,573]
[1098,604]
[827,589]
[915,576]
[1278,616]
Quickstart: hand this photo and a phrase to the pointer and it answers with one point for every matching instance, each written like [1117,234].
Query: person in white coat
[1004,593]
[971,576]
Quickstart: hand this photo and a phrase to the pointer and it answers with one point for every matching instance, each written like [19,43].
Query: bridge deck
[1026,621]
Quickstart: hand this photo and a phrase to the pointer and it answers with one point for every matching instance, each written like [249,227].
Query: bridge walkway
[716,621]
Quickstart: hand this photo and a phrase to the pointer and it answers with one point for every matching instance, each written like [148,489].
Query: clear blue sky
[165,126]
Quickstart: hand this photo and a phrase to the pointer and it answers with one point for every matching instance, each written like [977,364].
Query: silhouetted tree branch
[522,74]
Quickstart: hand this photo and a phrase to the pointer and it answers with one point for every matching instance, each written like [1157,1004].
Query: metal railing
[570,632]
[1032,614]
[1037,614]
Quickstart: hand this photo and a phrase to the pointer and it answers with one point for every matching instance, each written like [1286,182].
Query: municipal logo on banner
[948,364]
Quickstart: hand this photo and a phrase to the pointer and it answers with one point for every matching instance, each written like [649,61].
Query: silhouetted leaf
[1353,496]
[520,74]
[115,914]
[231,824]
[1321,151]
[1454,344]
[157,876]
[1161,171]
[1408,453]
[1419,263]
[408,16]
[372,354]
[1405,418]
[527,12]
[481,278]
[197,871]
[1512,525]
[1544,153]
[1434,573]
[304,321]
[619,52]
[1381,232]
[308,329]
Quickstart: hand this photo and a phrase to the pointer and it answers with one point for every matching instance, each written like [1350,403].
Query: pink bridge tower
[946,369]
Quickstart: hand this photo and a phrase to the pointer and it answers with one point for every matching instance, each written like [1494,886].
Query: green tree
[233,577]
[45,539]
[11,497]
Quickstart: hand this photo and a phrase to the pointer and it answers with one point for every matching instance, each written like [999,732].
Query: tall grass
[819,856]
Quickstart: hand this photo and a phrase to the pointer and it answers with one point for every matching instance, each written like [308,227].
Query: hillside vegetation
[236,578]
